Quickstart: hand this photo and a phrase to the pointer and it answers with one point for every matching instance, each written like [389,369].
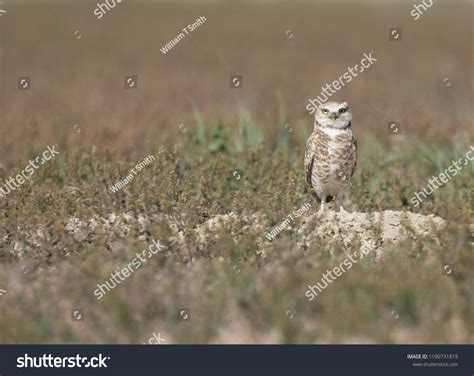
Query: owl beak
[333,116]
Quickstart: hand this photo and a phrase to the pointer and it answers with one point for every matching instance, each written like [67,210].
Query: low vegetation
[210,198]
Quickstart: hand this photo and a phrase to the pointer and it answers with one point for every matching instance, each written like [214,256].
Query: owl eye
[342,110]
[325,110]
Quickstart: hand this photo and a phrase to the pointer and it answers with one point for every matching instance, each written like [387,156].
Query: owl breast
[333,160]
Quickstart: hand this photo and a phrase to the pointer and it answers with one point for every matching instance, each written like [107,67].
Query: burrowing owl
[331,152]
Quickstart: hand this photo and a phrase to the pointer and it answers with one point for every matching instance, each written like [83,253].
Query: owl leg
[340,198]
[323,202]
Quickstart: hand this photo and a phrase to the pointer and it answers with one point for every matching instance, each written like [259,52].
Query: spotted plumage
[331,153]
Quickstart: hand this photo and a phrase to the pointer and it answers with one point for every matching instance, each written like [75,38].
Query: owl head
[334,115]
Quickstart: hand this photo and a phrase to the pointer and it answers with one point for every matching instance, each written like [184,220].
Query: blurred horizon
[285,51]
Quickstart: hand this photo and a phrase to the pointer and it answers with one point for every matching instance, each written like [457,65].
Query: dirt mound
[371,229]
[309,230]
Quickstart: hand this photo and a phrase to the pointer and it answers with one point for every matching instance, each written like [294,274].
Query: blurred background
[228,169]
[285,51]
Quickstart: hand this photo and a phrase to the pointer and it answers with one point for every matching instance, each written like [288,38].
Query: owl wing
[354,146]
[309,158]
